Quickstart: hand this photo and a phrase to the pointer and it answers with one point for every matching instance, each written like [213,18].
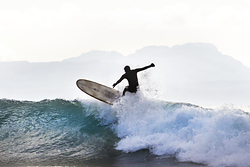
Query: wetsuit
[131,76]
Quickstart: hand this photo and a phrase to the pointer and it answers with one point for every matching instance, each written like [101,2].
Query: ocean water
[135,131]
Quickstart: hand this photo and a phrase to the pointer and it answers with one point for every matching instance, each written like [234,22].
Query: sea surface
[135,131]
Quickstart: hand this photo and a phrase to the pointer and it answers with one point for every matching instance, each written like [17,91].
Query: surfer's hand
[114,85]
[152,65]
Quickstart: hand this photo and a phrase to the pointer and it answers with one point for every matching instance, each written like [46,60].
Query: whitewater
[136,130]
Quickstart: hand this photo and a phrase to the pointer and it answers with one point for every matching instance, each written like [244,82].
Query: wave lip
[217,137]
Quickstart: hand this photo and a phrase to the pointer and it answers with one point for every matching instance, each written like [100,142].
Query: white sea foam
[217,137]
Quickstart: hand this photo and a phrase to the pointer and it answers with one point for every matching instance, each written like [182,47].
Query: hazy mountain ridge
[192,72]
[202,61]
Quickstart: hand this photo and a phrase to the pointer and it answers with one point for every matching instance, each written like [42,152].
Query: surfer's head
[127,68]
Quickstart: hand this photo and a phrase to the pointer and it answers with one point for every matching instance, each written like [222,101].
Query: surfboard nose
[98,91]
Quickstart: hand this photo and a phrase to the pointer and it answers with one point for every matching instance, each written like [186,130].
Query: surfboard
[98,91]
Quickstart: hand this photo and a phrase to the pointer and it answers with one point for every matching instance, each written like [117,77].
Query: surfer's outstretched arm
[118,81]
[146,67]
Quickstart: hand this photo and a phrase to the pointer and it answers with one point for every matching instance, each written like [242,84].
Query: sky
[53,30]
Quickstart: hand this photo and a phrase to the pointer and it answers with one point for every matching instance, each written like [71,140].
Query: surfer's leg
[125,90]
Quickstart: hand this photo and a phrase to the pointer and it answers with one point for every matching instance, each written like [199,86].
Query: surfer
[131,76]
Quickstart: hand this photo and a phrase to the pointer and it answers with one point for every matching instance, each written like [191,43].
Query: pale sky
[53,30]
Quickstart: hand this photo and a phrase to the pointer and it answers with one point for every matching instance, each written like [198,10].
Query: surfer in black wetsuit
[131,76]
